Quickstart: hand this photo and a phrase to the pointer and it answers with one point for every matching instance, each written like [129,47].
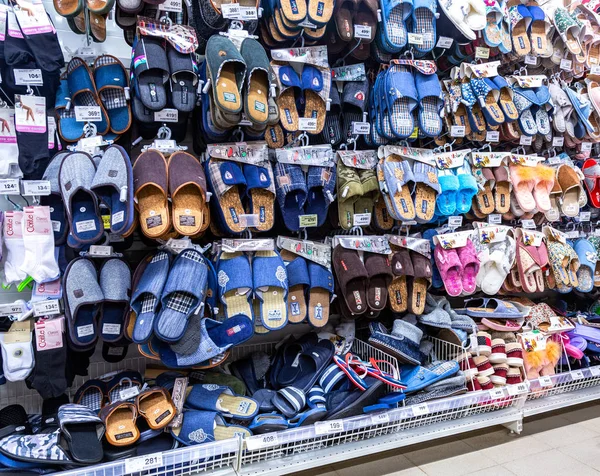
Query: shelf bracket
[515,427]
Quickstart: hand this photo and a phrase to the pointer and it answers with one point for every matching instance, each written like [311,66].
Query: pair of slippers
[288,20]
[412,274]
[458,189]
[401,18]
[458,268]
[494,191]
[348,13]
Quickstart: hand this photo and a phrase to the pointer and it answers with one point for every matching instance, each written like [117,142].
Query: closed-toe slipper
[354,104]
[398,288]
[365,14]
[470,266]
[313,361]
[380,276]
[401,97]
[427,188]
[150,72]
[457,15]
[115,282]
[447,200]
[314,105]
[211,397]
[351,275]
[291,193]
[82,431]
[256,98]
[184,78]
[492,33]
[205,427]
[420,282]
[423,21]
[270,286]
[343,13]
[321,182]
[58,215]
[588,258]
[488,94]
[332,131]
[418,377]
[349,190]
[226,69]
[475,15]
[291,87]
[151,186]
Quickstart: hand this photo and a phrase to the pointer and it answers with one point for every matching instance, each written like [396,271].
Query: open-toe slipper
[227,183]
[82,430]
[270,285]
[212,397]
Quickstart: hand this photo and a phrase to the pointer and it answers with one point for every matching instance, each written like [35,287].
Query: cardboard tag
[558,141]
[497,393]
[358,159]
[10,187]
[33,20]
[414,153]
[355,72]
[30,113]
[88,114]
[19,332]
[492,136]
[531,60]
[451,160]
[362,31]
[444,42]
[36,187]
[254,153]
[418,245]
[372,244]
[319,253]
[308,221]
[49,333]
[527,160]
[566,64]
[450,241]
[8,134]
[494,219]
[233,245]
[319,155]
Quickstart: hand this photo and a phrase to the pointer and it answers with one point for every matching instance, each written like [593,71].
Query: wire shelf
[564,382]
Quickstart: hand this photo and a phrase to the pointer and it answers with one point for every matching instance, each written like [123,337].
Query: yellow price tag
[415,133]
[106,221]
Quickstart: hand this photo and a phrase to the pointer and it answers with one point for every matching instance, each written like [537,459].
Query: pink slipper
[450,269]
[544,183]
[470,263]
[523,179]
[502,325]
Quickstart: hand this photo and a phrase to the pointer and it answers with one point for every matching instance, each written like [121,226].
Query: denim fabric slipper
[82,430]
[150,72]
[204,427]
[319,296]
[113,184]
[226,69]
[211,397]
[291,193]
[488,95]
[234,276]
[111,80]
[402,98]
[423,22]
[298,282]
[66,124]
[260,191]
[402,342]
[418,377]
[587,265]
[75,177]
[226,182]
[115,282]
[398,180]
[60,225]
[182,295]
[146,295]
[184,78]
[431,102]
[394,33]
[321,188]
[427,188]
[270,285]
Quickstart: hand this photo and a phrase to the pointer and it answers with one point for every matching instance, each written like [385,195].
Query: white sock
[15,247]
[40,262]
[17,358]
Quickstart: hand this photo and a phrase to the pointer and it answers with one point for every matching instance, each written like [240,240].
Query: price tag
[530,224]
[167,115]
[595,69]
[36,187]
[457,131]
[307,124]
[554,160]
[415,39]
[9,187]
[262,441]
[422,409]
[558,141]
[230,10]
[362,31]
[250,219]
[129,393]
[49,307]
[566,64]
[28,77]
[517,389]
[455,221]
[361,128]
[171,6]
[248,13]
[595,371]
[88,114]
[525,140]
[492,136]
[497,393]
[380,418]
[100,250]
[531,60]
[307,221]
[586,146]
[577,374]
[545,381]
[143,463]
[361,219]
[482,52]
[327,427]
[444,42]
[10,309]
[585,216]
[495,219]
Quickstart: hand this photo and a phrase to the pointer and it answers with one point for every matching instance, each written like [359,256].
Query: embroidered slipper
[488,94]
[398,177]
[227,183]
[270,284]
[351,276]
[204,427]
[520,18]
[212,397]
[451,270]
[523,104]
[474,113]
[380,276]
[234,276]
[349,190]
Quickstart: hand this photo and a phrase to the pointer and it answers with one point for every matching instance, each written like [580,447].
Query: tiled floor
[559,443]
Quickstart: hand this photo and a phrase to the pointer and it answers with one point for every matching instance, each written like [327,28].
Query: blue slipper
[394,14]
[319,295]
[270,286]
[298,283]
[401,98]
[58,215]
[492,308]
[111,80]
[446,200]
[204,427]
[321,189]
[308,417]
[582,108]
[488,95]
[290,401]
[431,102]
[227,183]
[586,252]
[291,193]
[260,178]
[211,397]
[268,423]
[418,377]
[234,277]
[467,189]
[67,126]
[423,22]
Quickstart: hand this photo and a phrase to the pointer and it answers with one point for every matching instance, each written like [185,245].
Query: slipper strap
[333,378]
[297,272]
[234,274]
[197,427]
[182,63]
[428,85]
[206,397]
[152,281]
[259,177]
[421,265]
[402,264]
[316,397]
[292,396]
[269,272]
[74,414]
[320,277]
[517,13]
[189,274]
[427,174]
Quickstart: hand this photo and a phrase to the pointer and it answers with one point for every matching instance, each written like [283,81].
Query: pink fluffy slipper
[450,269]
[470,264]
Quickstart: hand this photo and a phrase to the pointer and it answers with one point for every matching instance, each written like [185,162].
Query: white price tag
[331,426]
[595,69]
[36,187]
[457,131]
[482,52]
[248,13]
[129,393]
[530,224]
[455,221]
[171,6]
[531,60]
[262,441]
[577,374]
[497,393]
[421,409]
[307,124]
[525,140]
[9,186]
[495,219]
[10,309]
[49,307]
[545,381]
[167,115]
[97,250]
[250,219]
[566,64]
[585,216]
[28,77]
[143,463]
[492,136]
[88,114]
[231,10]
[165,144]
[415,39]
[444,42]
[586,146]
[517,389]
[554,160]
[473,342]
[595,371]
[361,219]
[361,128]
[558,141]
[362,31]
[380,418]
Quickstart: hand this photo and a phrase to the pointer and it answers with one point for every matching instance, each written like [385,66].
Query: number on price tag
[50,307]
[497,393]
[248,13]
[361,128]
[585,216]
[415,39]
[586,146]
[595,371]
[492,136]
[307,124]
[166,115]
[482,52]
[307,221]
[495,219]
[262,441]
[380,418]
[457,131]
[36,187]
[9,187]
[525,140]
[327,427]
[595,69]
[530,224]
[545,381]
[10,309]
[558,141]
[231,11]
[422,409]
[517,389]
[362,31]
[361,219]
[566,64]
[171,6]
[531,60]
[143,463]
[455,221]
[88,114]
[577,374]
[444,42]
[28,77]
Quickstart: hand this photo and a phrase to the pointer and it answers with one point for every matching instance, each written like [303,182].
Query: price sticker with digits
[495,219]
[517,389]
[497,393]
[455,221]
[482,52]
[171,6]
[262,441]
[444,42]
[492,136]
[457,131]
[545,381]
[577,374]
[88,114]
[362,31]
[143,463]
[167,115]
[418,410]
[566,64]
[528,223]
[231,11]
[595,371]
[36,187]
[328,427]
[380,418]
[361,128]
[28,77]
[49,307]
[307,124]
[558,141]
[586,146]
[525,140]
[415,39]
[9,187]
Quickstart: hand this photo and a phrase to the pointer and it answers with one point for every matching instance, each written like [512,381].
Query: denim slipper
[226,182]
[423,22]
[69,129]
[260,191]
[291,193]
[401,98]
[205,427]
[488,95]
[182,295]
[418,377]
[212,397]
[146,295]
[270,286]
[115,282]
[234,277]
[398,182]
[394,34]
[321,188]
[431,102]
[111,80]
[60,225]
[319,295]
[586,252]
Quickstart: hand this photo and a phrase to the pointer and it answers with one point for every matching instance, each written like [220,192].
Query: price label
[362,31]
[554,160]
[497,393]
[492,136]
[586,146]
[566,64]
[361,128]
[36,187]
[327,427]
[595,69]
[250,219]
[530,224]
[167,115]
[262,441]
[171,6]
[457,131]
[558,141]
[531,60]
[525,140]
[585,216]
[307,124]
[545,381]
[495,219]
[595,371]
[28,77]
[455,221]
[422,409]
[50,307]
[577,374]
[9,187]
[517,389]
[100,250]
[143,463]
[444,42]
[307,221]
[10,309]
[482,52]
[361,219]
[415,39]
[231,11]
[88,114]
[165,144]
[248,13]
[380,418]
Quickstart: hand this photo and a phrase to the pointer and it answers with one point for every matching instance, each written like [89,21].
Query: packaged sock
[15,247]
[9,150]
[38,237]
[32,132]
[17,351]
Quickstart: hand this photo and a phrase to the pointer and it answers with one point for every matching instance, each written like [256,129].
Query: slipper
[394,14]
[470,266]
[298,283]
[91,395]
[183,294]
[398,289]
[418,377]
[349,190]
[270,286]
[68,9]
[156,407]
[313,361]
[544,183]
[347,366]
[286,365]
[523,179]
[474,12]
[187,187]
[582,107]
[113,185]
[474,112]
[502,189]
[211,397]
[568,29]
[226,69]
[150,72]
[523,104]
[528,263]
[423,21]
[257,81]
[227,183]
[75,178]
[559,255]
[204,427]
[492,33]
[571,189]
[419,282]
[314,105]
[289,401]
[402,97]
[320,183]
[354,103]
[291,88]
[146,295]
[538,30]
[60,225]
[484,200]
[111,80]
[291,193]
[82,431]
[351,276]
[398,177]
[332,131]
[496,268]
[234,275]
[492,308]
[591,172]
[115,283]
[120,421]
[445,204]
[520,19]
[467,189]
[184,79]
[380,276]
[343,13]
[451,270]
[83,299]
[505,100]
[488,94]
[365,14]
[319,295]
[347,404]
[319,13]
[587,265]
[151,185]
[268,423]
[431,103]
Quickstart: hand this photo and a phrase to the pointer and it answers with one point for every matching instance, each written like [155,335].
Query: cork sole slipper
[288,113]
[321,289]
[236,300]
[156,407]
[293,10]
[187,185]
[150,182]
[120,425]
[314,108]
[274,137]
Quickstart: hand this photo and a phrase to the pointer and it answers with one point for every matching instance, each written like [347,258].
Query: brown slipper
[187,187]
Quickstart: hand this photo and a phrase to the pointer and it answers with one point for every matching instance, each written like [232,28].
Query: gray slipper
[151,72]
[256,97]
[115,282]
[223,57]
[184,79]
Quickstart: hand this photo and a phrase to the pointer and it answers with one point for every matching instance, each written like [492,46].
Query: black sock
[48,375]
[16,51]
[46,50]
[33,150]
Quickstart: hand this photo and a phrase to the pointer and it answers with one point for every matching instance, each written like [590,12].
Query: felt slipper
[587,265]
[235,284]
[351,275]
[151,185]
[184,78]
[211,397]
[467,189]
[291,193]
[204,427]
[380,276]
[354,104]
[270,286]
[321,183]
[75,176]
[343,12]
[474,15]
[488,94]
[370,190]
[120,421]
[398,178]
[349,190]
[365,14]
[398,289]
[520,19]
[226,69]
[544,183]
[470,266]
[571,189]
[402,97]
[115,283]
[150,72]
[146,295]
[291,87]
[319,295]
[187,187]
[523,179]
[298,283]
[451,270]
[430,102]
[82,431]
[332,131]
[257,81]
[111,80]
[446,202]
[314,105]
[113,185]
[66,122]
[227,183]
[60,225]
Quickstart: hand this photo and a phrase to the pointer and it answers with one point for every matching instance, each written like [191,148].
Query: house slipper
[488,94]
[256,98]
[286,366]
[111,80]
[91,395]
[380,276]
[365,14]
[205,427]
[484,200]
[445,204]
[291,193]
[187,187]
[347,404]
[291,88]
[495,270]
[420,282]
[569,30]
[343,13]
[470,266]
[538,29]
[505,100]
[319,13]
[502,189]
[227,182]
[212,397]
[82,431]
[270,286]
[151,186]
[402,97]
[467,189]
[349,190]
[398,177]
[314,105]
[591,172]
[298,282]
[58,214]
[451,269]
[184,79]
[354,104]
[570,185]
[394,32]
[120,421]
[150,72]
[226,69]
[319,295]
[492,33]
[544,183]
[351,275]
[313,361]
[115,282]
[321,182]
[431,101]
[520,18]
[492,308]
[156,407]
[332,131]
[234,275]
[586,252]
[398,289]
[523,180]
[268,423]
